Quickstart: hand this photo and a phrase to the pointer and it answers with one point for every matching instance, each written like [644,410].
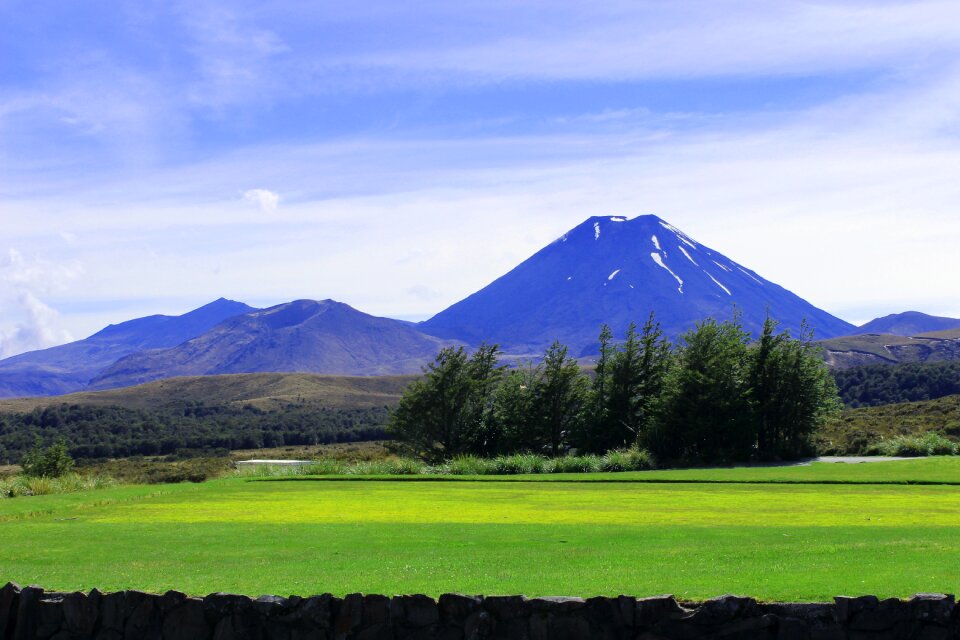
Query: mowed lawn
[694,540]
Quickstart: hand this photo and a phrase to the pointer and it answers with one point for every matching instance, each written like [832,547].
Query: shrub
[51,462]
[468,466]
[928,444]
[627,460]
[23,485]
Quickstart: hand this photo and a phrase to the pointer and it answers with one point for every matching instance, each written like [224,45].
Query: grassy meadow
[789,533]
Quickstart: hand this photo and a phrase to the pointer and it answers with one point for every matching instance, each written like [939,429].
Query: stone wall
[31,613]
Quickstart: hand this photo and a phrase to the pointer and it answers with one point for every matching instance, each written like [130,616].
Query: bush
[627,460]
[468,466]
[51,462]
[928,444]
[23,485]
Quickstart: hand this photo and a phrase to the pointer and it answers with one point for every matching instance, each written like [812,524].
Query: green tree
[50,462]
[792,392]
[446,412]
[706,407]
[515,409]
[560,399]
[638,369]
[485,374]
[591,436]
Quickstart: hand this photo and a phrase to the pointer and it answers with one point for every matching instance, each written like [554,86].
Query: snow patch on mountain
[688,255]
[596,230]
[681,236]
[717,282]
[613,275]
[656,242]
[750,275]
[656,258]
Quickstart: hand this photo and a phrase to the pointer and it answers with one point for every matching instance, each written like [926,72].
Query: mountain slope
[908,323]
[871,348]
[301,336]
[70,367]
[613,270]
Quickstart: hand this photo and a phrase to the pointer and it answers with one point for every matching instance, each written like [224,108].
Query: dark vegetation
[864,430]
[876,385]
[714,395]
[93,432]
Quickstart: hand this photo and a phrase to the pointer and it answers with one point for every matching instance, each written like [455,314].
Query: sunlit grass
[772,541]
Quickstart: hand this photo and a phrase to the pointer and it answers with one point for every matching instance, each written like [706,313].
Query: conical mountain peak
[616,270]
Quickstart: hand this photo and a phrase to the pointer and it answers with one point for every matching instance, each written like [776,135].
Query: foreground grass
[772,541]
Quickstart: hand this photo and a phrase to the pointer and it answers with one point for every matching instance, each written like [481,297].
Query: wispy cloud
[267,200]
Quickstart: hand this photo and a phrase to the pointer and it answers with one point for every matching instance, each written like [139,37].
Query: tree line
[114,432]
[880,384]
[715,394]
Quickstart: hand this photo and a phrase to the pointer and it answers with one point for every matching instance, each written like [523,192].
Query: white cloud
[38,329]
[263,198]
[28,322]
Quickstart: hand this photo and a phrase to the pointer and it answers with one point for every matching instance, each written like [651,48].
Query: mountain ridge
[305,336]
[70,367]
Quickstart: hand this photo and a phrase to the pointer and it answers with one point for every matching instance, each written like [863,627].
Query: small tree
[50,462]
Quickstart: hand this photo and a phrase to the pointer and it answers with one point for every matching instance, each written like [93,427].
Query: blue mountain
[70,367]
[616,270]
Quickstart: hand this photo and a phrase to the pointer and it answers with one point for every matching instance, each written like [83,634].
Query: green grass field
[804,540]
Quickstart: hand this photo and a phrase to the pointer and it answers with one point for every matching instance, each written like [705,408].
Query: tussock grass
[511,465]
[21,485]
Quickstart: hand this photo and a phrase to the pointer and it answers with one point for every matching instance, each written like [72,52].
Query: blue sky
[398,156]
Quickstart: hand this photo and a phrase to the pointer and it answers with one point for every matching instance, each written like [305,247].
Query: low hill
[867,349]
[262,390]
[908,323]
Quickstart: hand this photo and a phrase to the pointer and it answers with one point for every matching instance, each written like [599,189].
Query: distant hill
[263,390]
[614,270]
[867,349]
[908,323]
[300,336]
[70,367]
